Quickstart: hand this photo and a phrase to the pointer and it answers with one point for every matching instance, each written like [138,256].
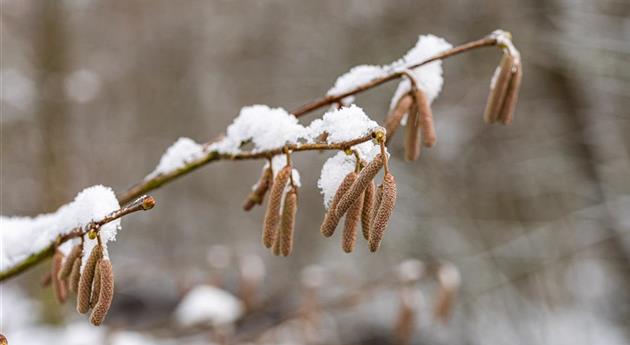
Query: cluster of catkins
[279,221]
[420,126]
[504,87]
[93,286]
[360,200]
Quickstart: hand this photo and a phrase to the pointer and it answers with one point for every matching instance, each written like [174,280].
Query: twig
[141,204]
[211,156]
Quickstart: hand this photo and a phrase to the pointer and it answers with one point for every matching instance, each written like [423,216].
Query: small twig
[141,204]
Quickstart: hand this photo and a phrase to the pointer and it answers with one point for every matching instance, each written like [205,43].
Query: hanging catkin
[395,115]
[287,223]
[85,282]
[96,286]
[106,293]
[59,287]
[258,194]
[425,114]
[412,134]
[360,184]
[75,275]
[511,95]
[331,219]
[384,212]
[498,88]
[272,215]
[367,209]
[66,268]
[353,217]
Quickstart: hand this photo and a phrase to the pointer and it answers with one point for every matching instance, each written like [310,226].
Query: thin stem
[141,204]
[328,100]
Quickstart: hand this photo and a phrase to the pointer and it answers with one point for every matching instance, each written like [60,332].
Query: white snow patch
[183,151]
[208,305]
[23,236]
[357,75]
[427,77]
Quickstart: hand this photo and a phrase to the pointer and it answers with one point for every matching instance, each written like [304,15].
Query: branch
[211,156]
[143,203]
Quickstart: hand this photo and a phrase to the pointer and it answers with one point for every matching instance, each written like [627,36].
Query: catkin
[85,282]
[384,212]
[511,95]
[498,89]
[360,184]
[258,194]
[106,293]
[395,116]
[331,219]
[353,217]
[426,119]
[287,223]
[377,203]
[412,134]
[96,287]
[75,276]
[66,268]
[366,210]
[59,287]
[272,215]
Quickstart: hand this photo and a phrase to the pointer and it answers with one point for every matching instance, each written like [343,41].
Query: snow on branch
[28,240]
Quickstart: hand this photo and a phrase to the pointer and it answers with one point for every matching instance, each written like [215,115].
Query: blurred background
[534,216]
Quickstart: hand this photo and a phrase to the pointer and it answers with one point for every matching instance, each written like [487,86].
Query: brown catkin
[272,215]
[384,212]
[377,203]
[353,217]
[287,223]
[84,292]
[96,287]
[425,114]
[258,194]
[511,95]
[395,115]
[360,184]
[498,89]
[412,134]
[331,220]
[59,286]
[66,268]
[368,207]
[106,293]
[75,276]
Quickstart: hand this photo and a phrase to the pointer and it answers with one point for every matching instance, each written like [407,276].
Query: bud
[384,212]
[272,215]
[106,293]
[498,88]
[331,220]
[360,184]
[59,287]
[395,115]
[85,282]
